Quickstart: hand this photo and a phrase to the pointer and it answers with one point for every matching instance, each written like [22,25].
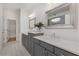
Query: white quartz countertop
[68,45]
[35,32]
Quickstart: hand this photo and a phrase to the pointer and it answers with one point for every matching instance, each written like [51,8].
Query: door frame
[8,29]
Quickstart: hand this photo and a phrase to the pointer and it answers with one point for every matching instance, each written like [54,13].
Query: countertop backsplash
[64,34]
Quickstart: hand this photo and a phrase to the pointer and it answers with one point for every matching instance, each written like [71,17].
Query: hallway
[13,49]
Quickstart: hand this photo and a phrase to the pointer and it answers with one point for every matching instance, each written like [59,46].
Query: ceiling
[28,6]
[22,5]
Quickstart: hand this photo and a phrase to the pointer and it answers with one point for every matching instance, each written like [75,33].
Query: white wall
[11,14]
[18,26]
[52,5]
[24,24]
[24,21]
[77,17]
[1,26]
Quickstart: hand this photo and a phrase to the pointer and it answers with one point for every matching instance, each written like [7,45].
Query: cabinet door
[48,53]
[61,52]
[25,41]
[31,46]
[47,46]
[38,50]
[28,43]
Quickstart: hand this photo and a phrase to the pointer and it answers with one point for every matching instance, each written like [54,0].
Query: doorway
[11,30]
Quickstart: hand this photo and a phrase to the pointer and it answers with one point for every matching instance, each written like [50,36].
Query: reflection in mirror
[62,19]
[57,20]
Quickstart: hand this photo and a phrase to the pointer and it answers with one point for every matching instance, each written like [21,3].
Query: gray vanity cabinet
[47,46]
[38,50]
[61,52]
[48,53]
[25,41]
[42,49]
[38,47]
[30,44]
[30,41]
[49,49]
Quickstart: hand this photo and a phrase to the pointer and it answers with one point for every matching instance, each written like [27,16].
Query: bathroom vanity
[27,41]
[39,45]
[50,47]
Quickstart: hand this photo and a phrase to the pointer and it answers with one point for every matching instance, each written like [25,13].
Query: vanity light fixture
[32,15]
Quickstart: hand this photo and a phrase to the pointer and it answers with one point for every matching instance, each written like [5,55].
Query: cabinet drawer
[47,46]
[61,52]
[35,40]
[50,54]
[38,50]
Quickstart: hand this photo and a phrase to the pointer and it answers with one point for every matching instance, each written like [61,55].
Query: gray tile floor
[13,49]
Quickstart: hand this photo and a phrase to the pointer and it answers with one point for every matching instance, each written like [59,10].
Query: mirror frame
[72,10]
[30,22]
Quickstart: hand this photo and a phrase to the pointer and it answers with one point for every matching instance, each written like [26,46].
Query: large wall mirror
[62,16]
[32,22]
